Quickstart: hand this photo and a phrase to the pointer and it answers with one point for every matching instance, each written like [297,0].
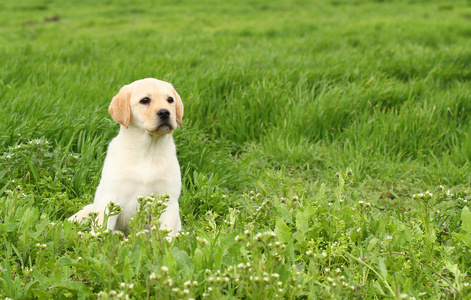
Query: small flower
[142,232]
[41,246]
[169,282]
[164,269]
[258,237]
[202,240]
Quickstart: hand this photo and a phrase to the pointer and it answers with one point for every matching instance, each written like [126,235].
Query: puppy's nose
[163,114]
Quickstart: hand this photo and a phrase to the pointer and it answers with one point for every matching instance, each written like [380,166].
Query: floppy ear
[179,110]
[119,107]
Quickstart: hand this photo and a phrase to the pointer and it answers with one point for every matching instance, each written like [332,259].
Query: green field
[325,150]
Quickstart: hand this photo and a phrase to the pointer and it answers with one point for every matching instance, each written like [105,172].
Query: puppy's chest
[148,171]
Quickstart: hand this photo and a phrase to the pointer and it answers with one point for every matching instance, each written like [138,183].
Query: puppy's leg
[81,214]
[170,219]
[111,225]
[102,209]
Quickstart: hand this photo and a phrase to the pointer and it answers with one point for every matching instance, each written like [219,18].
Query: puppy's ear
[119,107]
[179,110]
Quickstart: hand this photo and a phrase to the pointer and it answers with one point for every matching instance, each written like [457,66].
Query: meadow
[325,149]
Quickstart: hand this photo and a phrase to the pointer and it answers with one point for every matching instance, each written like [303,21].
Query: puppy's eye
[145,100]
[170,100]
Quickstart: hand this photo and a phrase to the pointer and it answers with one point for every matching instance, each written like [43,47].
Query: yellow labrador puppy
[141,160]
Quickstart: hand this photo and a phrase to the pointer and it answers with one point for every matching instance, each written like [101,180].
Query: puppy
[141,160]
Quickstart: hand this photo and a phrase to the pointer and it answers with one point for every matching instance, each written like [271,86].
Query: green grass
[309,127]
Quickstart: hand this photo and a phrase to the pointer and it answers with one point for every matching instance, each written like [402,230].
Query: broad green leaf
[198,258]
[373,242]
[127,270]
[407,284]
[262,186]
[40,294]
[169,260]
[283,232]
[181,257]
[378,287]
[466,219]
[302,221]
[382,268]
[66,261]
[286,215]
[465,239]
[8,227]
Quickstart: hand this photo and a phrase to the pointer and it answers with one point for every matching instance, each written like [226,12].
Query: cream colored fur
[141,160]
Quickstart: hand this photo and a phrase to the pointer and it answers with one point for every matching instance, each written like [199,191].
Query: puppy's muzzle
[163,114]
[164,124]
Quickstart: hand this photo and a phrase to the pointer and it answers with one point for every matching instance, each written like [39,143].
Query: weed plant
[325,150]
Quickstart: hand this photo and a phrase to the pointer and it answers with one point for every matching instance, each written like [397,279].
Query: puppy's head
[151,104]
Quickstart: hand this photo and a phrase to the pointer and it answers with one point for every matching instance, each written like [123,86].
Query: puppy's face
[151,104]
